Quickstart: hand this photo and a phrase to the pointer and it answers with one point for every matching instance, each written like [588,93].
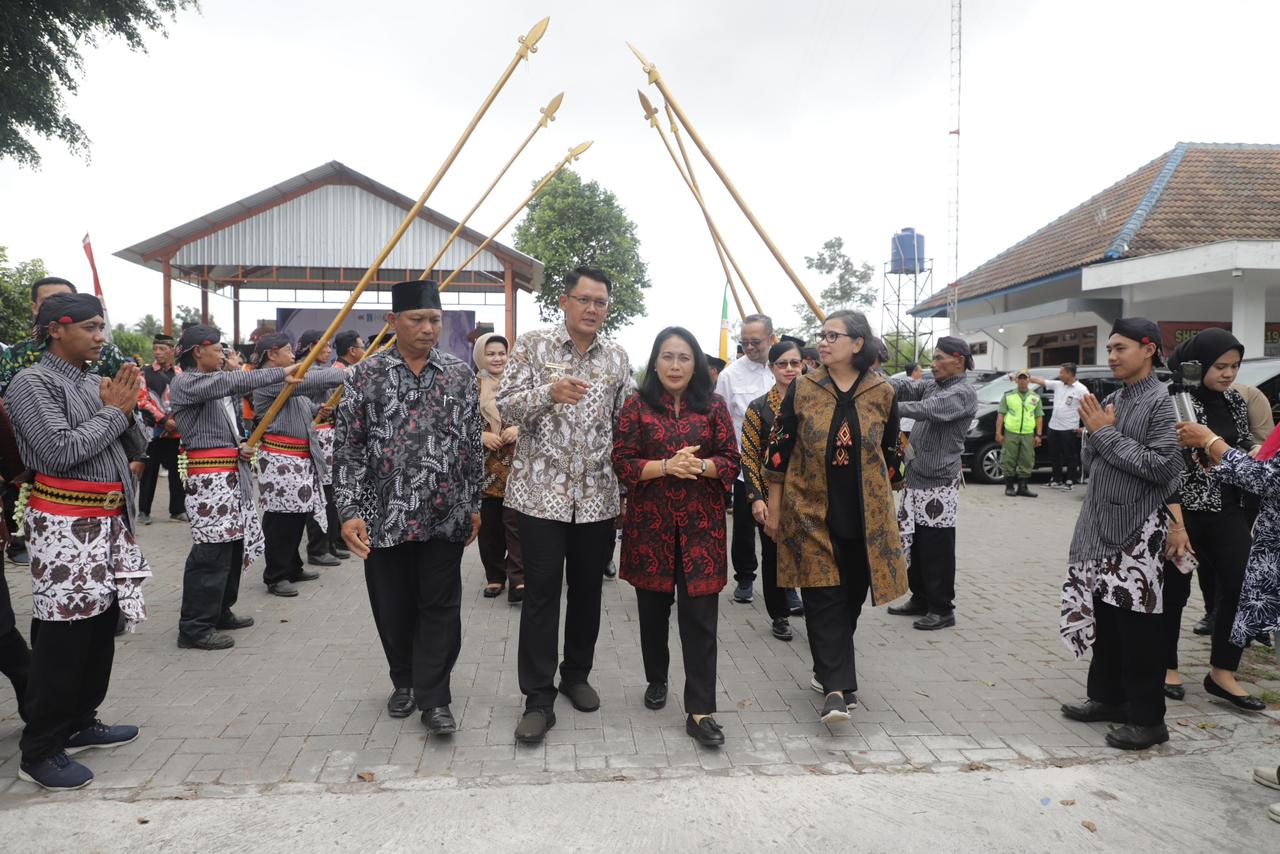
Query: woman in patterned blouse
[675,455]
[499,536]
[786,362]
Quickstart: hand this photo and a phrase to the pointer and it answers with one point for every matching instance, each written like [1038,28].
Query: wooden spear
[528,44]
[546,115]
[574,154]
[652,115]
[693,179]
[656,79]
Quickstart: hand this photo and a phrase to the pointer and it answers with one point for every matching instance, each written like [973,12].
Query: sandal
[491,591]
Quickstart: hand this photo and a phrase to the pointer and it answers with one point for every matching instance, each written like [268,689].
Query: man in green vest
[1019,426]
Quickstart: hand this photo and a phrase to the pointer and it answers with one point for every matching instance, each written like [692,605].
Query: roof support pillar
[167,272]
[1249,312]
[204,300]
[509,304]
[235,312]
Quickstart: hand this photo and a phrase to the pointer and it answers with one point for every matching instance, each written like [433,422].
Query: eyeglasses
[831,336]
[789,364]
[751,342]
[600,304]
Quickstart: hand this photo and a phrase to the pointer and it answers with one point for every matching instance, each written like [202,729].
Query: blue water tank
[907,256]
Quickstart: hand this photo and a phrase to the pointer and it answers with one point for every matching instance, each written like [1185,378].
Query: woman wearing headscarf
[829,465]
[1217,522]
[499,538]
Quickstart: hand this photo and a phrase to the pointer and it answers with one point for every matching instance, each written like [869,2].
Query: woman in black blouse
[1217,523]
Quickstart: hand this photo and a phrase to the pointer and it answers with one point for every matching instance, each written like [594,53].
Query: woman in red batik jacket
[675,455]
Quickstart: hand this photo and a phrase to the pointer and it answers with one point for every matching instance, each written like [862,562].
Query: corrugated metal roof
[331,216]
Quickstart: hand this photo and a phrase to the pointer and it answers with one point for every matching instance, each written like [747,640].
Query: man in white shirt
[1064,425]
[742,382]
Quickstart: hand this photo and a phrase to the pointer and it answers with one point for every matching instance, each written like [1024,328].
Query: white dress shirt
[740,383]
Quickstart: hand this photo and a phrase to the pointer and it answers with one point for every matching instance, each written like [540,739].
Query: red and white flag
[97,285]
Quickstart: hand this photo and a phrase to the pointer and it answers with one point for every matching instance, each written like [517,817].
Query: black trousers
[775,597]
[15,656]
[1177,590]
[210,586]
[1223,539]
[697,617]
[831,615]
[1128,662]
[499,543]
[325,542]
[742,549]
[283,535]
[162,452]
[70,671]
[1064,445]
[558,554]
[932,574]
[415,591]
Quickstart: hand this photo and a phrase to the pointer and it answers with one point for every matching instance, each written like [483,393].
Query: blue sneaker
[58,772]
[101,735]
[744,594]
[794,605]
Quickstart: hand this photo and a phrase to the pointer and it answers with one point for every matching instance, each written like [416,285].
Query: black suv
[982,454]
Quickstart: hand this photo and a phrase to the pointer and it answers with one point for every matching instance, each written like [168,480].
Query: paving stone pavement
[300,699]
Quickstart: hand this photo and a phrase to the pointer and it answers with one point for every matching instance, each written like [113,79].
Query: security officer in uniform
[1019,427]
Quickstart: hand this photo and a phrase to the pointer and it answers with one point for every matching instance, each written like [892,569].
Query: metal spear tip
[549,111]
[529,41]
[649,111]
[575,153]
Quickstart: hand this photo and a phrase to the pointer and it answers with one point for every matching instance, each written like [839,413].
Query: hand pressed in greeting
[1094,416]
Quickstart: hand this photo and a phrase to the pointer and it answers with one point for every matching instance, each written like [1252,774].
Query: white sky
[830,117]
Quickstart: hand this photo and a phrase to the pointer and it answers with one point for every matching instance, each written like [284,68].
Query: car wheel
[986,465]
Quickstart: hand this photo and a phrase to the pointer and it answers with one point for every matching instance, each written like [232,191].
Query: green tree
[903,349]
[132,343]
[149,326]
[40,62]
[189,314]
[849,289]
[572,224]
[15,296]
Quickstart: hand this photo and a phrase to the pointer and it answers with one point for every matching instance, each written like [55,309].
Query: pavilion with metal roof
[311,238]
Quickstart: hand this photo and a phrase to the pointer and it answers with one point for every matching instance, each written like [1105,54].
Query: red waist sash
[277,444]
[212,460]
[68,497]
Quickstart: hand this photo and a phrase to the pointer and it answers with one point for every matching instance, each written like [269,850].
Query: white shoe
[816,685]
[1273,812]
[1269,777]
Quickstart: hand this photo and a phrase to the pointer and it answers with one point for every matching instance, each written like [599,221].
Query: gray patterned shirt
[407,454]
[562,468]
[942,412]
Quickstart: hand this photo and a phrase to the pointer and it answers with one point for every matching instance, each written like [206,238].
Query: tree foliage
[131,343]
[572,224]
[850,287]
[40,62]
[903,349]
[149,325]
[189,314]
[15,296]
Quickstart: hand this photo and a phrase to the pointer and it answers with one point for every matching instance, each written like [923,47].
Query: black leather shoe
[340,554]
[325,559]
[910,608]
[1174,692]
[706,731]
[583,697]
[282,588]
[534,724]
[1091,710]
[400,704]
[491,592]
[1025,491]
[230,622]
[515,595]
[1134,737]
[439,721]
[655,696]
[304,575]
[213,640]
[1248,702]
[1010,488]
[1204,626]
[782,629]
[930,622]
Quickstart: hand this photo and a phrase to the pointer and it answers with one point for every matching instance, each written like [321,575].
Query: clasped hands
[685,464]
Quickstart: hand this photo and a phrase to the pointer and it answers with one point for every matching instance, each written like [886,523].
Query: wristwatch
[704,468]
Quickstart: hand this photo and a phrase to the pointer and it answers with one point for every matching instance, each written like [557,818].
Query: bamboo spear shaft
[528,44]
[652,115]
[574,154]
[656,79]
[546,116]
[688,165]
